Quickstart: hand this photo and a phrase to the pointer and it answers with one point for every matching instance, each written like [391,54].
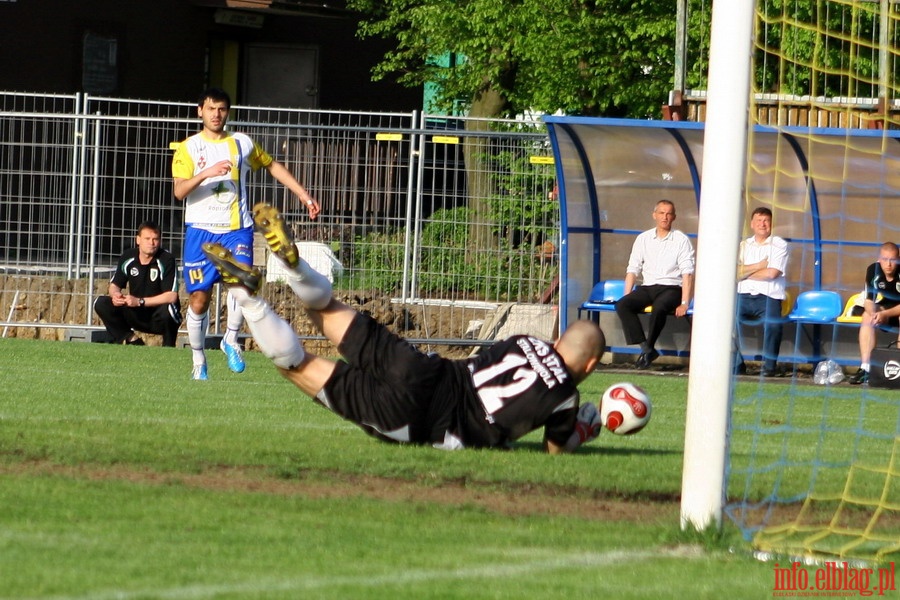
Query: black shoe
[741,369]
[645,359]
[776,372]
[859,377]
[135,342]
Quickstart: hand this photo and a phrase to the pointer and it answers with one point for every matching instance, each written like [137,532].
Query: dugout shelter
[834,194]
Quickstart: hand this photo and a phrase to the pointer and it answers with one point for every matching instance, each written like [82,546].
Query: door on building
[282,75]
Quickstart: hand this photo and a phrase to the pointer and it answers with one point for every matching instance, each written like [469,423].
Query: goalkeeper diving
[396,393]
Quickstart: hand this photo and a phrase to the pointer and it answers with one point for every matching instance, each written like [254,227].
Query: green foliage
[808,47]
[444,264]
[377,262]
[521,209]
[448,264]
[612,58]
[521,215]
[585,57]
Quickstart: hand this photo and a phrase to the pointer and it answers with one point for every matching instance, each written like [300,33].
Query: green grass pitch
[121,478]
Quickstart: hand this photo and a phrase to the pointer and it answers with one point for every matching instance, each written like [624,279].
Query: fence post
[92,243]
[412,168]
[415,207]
[78,136]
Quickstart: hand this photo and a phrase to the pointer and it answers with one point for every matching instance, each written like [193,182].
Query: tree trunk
[487,104]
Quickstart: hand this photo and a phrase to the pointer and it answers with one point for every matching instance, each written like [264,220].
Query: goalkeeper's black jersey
[516,386]
[397,393]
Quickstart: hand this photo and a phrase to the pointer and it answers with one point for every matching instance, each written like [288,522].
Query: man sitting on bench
[881,278]
[664,259]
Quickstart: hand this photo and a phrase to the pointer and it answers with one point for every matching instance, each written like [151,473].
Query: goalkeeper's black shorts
[388,387]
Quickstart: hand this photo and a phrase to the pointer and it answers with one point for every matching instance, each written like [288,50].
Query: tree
[814,48]
[602,57]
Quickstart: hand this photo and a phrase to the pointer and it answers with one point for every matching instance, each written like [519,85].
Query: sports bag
[884,367]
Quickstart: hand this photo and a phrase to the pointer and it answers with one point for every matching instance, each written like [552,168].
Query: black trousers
[663,299]
[121,321]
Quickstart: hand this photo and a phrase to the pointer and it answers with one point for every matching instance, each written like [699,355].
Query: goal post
[721,210]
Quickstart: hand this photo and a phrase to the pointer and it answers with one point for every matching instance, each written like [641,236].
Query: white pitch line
[493,571]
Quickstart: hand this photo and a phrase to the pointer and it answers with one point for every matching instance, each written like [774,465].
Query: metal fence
[435,214]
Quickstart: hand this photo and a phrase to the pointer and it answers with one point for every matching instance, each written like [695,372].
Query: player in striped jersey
[211,170]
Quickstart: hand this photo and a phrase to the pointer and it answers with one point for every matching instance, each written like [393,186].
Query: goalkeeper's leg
[278,341]
[274,336]
[313,288]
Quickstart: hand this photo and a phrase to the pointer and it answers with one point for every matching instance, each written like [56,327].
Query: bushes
[447,265]
[499,248]
[375,263]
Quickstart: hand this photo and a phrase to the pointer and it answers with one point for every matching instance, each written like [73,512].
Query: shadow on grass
[595,448]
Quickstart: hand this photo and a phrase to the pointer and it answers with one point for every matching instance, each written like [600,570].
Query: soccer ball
[625,408]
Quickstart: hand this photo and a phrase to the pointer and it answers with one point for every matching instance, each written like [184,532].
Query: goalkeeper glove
[587,422]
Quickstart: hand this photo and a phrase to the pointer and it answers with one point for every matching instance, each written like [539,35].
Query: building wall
[162,50]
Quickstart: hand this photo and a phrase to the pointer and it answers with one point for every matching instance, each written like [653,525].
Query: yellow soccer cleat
[232,271]
[268,222]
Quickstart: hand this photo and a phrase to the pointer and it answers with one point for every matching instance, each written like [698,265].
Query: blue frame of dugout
[835,195]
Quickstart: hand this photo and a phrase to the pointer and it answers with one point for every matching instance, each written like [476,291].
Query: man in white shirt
[761,287]
[664,260]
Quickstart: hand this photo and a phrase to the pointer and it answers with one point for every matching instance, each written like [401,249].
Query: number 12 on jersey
[495,396]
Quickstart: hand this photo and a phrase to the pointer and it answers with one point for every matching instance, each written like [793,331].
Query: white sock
[231,337]
[313,288]
[235,320]
[274,336]
[864,367]
[196,328]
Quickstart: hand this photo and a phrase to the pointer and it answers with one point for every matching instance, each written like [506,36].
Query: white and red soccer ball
[625,408]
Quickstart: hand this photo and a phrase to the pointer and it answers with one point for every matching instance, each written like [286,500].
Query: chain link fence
[439,225]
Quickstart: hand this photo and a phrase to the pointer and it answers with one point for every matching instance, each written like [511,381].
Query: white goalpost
[721,210]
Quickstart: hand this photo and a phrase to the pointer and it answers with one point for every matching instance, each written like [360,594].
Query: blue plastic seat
[603,296]
[817,306]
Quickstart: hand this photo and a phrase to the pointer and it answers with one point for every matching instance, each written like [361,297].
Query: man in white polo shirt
[761,287]
[664,260]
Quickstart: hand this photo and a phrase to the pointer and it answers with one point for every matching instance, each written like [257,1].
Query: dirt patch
[406,320]
[44,305]
[513,500]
